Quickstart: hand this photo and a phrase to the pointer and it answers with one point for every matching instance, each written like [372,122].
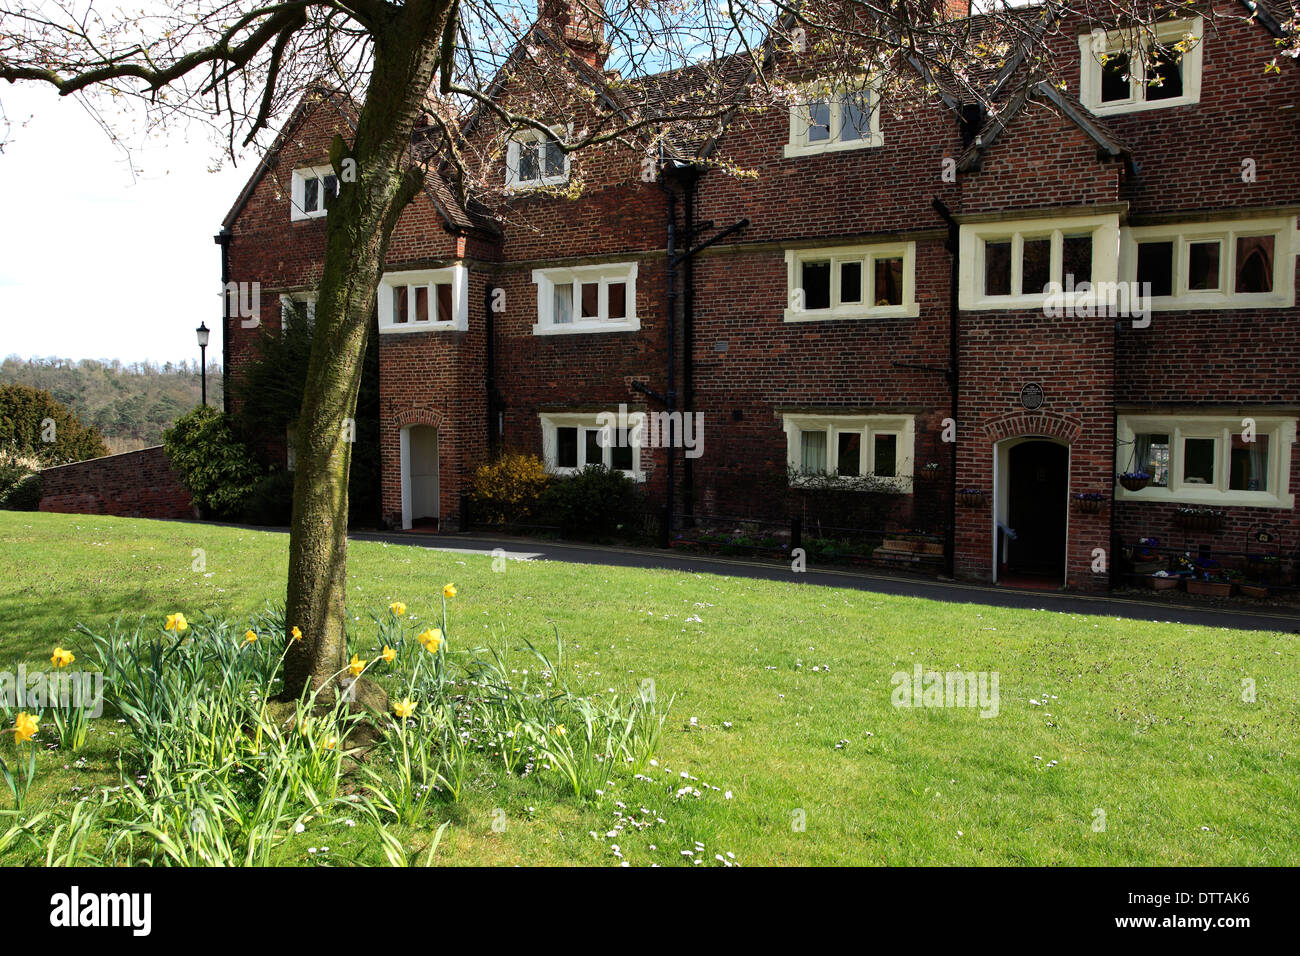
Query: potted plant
[1135,480]
[1258,591]
[929,471]
[1163,581]
[1199,519]
[971,497]
[1210,579]
[1146,557]
[1090,502]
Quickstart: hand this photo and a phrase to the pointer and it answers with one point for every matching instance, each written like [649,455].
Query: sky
[97,261]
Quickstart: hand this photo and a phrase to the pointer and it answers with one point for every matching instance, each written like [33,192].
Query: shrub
[24,495]
[34,423]
[212,463]
[596,502]
[509,488]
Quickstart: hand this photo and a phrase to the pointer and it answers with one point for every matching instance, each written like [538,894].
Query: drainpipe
[223,240]
[670,399]
[689,182]
[493,399]
[953,245]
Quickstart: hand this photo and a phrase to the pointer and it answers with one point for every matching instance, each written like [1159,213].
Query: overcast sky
[96,262]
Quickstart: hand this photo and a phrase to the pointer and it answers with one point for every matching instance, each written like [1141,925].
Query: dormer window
[426,300]
[829,120]
[534,159]
[1115,76]
[312,188]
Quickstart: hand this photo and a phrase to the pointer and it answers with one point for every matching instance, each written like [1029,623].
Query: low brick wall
[135,484]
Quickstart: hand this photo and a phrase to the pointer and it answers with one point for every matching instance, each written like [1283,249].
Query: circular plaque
[1031,396]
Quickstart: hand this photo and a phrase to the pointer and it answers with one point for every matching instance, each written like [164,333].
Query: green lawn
[782,709]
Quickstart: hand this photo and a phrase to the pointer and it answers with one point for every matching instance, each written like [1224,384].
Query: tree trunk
[359,223]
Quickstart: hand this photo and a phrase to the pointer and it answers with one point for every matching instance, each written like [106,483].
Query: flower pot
[1090,506]
[1209,588]
[1132,483]
[1254,590]
[1163,584]
[971,499]
[928,474]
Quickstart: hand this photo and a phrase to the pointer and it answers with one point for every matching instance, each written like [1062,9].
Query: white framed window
[1248,264]
[850,446]
[1018,264]
[297,309]
[851,282]
[600,298]
[1114,76]
[423,300]
[1208,459]
[828,120]
[571,441]
[534,159]
[312,187]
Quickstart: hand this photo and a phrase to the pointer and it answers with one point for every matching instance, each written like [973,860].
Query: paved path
[1271,619]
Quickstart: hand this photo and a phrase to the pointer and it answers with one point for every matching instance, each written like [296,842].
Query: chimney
[580,25]
[956,9]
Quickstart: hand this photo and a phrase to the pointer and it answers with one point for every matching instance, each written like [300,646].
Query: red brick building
[873,308]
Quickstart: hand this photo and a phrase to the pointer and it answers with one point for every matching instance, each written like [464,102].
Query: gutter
[953,245]
[223,240]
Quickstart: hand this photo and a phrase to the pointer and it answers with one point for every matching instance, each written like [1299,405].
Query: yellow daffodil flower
[356,666]
[404,708]
[62,658]
[449,590]
[398,608]
[431,639]
[329,743]
[25,728]
[559,730]
[388,654]
[295,634]
[250,637]
[176,622]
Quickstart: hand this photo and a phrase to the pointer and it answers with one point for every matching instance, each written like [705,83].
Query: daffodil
[559,730]
[356,666]
[431,639]
[62,658]
[250,637]
[329,743]
[398,608]
[176,622]
[404,708]
[449,590]
[25,727]
[295,634]
[388,654]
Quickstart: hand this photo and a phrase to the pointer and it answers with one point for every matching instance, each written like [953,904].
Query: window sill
[1216,300]
[1118,108]
[295,216]
[1214,499]
[423,327]
[532,185]
[795,150]
[580,328]
[833,315]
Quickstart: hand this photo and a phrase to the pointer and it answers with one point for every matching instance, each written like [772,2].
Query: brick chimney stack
[580,25]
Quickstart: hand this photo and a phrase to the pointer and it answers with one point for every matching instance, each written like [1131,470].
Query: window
[572,442]
[298,310]
[312,189]
[857,282]
[834,120]
[424,300]
[1115,78]
[1213,265]
[1026,263]
[850,446]
[598,298]
[533,159]
[1206,459]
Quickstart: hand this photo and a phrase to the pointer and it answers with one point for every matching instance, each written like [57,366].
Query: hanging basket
[1198,520]
[1089,505]
[927,474]
[1134,482]
[971,497]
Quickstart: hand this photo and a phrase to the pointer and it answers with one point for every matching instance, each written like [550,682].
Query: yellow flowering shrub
[508,488]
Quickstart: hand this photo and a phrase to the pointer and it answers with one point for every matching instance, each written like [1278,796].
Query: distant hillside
[131,404]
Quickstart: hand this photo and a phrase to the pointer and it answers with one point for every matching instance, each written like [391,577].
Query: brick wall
[135,484]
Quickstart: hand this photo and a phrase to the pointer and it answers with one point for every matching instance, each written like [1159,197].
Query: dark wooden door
[1036,510]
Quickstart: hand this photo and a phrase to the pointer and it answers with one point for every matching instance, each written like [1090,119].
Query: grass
[782,712]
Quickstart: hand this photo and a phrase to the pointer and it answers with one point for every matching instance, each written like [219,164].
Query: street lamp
[202,333]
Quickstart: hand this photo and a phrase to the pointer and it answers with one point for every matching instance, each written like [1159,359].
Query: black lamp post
[202,333]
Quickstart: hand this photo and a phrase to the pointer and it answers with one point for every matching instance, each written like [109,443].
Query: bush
[215,467]
[24,495]
[270,501]
[596,502]
[509,488]
[32,422]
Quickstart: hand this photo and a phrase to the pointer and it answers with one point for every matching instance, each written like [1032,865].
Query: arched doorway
[419,461]
[1031,511]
